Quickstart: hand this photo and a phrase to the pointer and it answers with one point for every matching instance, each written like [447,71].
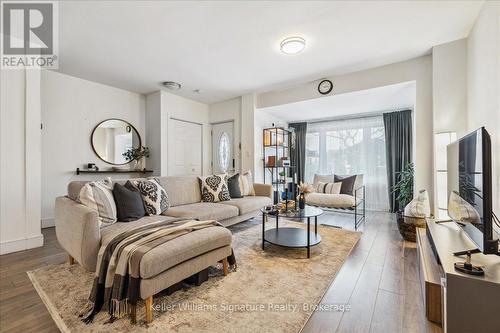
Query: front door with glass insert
[222,148]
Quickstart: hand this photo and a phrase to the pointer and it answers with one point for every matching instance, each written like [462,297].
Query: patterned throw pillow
[246,184]
[328,188]
[154,196]
[98,195]
[214,188]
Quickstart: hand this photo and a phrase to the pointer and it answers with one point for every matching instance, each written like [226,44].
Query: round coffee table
[292,237]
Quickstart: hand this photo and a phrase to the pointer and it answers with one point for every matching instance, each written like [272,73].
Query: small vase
[140,164]
[302,201]
[136,165]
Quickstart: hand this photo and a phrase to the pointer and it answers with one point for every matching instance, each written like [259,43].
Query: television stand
[448,221]
[461,302]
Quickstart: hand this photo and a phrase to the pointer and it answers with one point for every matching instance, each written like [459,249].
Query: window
[441,141]
[347,147]
[224,152]
[312,155]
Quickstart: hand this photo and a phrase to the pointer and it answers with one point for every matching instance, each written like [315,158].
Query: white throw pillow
[98,195]
[419,206]
[246,184]
[322,178]
[328,188]
[154,196]
[214,188]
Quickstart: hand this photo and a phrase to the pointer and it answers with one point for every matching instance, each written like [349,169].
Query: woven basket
[408,225]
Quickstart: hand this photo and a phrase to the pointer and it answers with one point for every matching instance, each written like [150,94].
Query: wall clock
[325,87]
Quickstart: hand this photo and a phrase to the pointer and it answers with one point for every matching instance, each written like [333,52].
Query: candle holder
[302,200]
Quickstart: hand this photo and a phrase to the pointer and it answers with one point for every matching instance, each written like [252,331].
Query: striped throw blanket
[117,278]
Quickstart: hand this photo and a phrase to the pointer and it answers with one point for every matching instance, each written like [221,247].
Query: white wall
[248,133]
[71,108]
[20,160]
[449,87]
[161,106]
[418,70]
[154,134]
[449,94]
[483,83]
[226,111]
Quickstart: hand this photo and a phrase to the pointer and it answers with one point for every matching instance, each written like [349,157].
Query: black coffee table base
[291,237]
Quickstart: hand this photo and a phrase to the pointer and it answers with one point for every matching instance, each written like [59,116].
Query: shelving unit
[86,171]
[276,144]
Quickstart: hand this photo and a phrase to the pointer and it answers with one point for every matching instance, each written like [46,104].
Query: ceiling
[388,98]
[227,49]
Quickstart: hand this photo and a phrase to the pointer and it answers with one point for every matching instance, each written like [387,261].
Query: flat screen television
[474,180]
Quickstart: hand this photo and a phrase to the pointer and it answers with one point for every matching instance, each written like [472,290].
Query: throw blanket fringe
[87,309]
[119,309]
[117,282]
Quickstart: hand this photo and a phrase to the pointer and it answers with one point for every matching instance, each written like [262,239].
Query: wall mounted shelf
[82,171]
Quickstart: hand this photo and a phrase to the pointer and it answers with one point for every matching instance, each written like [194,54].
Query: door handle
[234,163]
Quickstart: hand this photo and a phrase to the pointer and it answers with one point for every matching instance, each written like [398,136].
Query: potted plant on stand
[404,194]
[136,156]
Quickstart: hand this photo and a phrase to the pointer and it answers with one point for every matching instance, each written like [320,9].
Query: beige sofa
[79,233]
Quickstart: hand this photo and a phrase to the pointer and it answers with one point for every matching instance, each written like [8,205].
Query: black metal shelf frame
[277,141]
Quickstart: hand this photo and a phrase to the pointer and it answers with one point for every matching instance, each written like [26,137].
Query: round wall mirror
[113,137]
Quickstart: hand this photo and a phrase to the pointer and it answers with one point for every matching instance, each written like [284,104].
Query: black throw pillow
[347,183]
[233,184]
[129,204]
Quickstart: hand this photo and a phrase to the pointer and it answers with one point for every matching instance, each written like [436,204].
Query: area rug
[274,290]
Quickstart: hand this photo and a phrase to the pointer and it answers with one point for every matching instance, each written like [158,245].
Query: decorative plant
[305,188]
[135,154]
[404,186]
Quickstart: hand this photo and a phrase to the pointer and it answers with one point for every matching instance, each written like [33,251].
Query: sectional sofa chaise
[79,232]
[77,226]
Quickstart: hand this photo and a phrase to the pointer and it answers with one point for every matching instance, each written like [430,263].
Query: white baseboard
[48,222]
[21,244]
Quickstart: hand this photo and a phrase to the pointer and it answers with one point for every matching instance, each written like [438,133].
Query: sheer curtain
[348,147]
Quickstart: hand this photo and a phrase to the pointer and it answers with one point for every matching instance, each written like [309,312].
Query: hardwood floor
[21,310]
[379,282]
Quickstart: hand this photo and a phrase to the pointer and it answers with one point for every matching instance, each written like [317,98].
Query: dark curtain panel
[298,154]
[399,145]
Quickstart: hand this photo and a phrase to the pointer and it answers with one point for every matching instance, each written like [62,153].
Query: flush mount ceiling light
[292,45]
[171,85]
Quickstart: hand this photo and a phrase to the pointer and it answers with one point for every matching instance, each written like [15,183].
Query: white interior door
[223,148]
[185,146]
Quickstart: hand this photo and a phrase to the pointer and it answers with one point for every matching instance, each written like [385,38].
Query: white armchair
[347,203]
